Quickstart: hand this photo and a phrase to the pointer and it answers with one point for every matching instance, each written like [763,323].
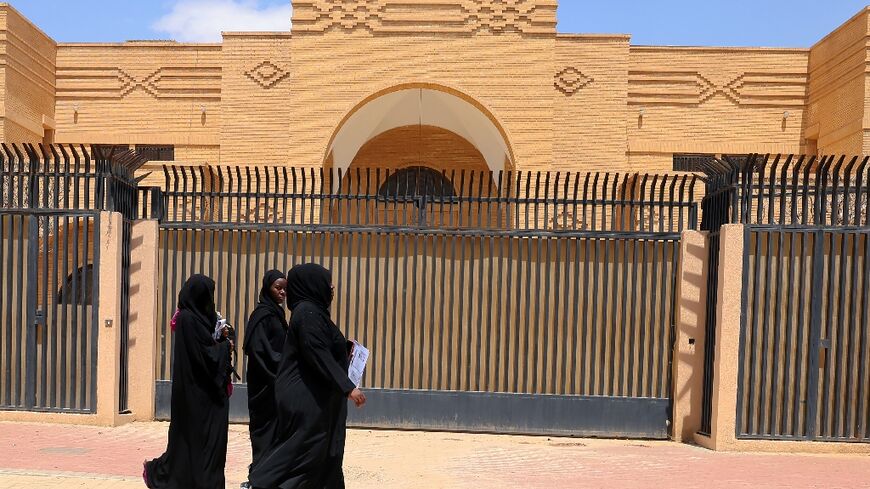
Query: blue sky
[792,23]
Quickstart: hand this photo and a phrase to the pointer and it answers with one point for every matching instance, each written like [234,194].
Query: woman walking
[311,392]
[196,453]
[264,339]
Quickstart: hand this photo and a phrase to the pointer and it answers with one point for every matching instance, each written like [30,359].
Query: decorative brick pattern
[570,80]
[267,74]
[502,16]
[347,15]
[181,82]
[432,16]
[695,88]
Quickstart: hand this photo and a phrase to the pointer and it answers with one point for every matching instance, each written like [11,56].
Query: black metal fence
[559,286]
[453,199]
[49,260]
[804,338]
[791,190]
[804,333]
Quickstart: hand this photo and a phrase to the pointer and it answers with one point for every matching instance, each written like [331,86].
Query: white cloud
[203,20]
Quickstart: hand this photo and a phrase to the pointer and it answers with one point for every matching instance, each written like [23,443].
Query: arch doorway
[424,131]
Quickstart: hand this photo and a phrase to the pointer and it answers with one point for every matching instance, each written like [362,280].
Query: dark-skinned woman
[311,392]
[196,453]
[264,339]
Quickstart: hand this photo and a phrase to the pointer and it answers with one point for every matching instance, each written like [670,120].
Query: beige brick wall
[590,97]
[27,72]
[139,93]
[258,120]
[715,100]
[508,74]
[839,80]
[419,145]
[653,162]
[564,102]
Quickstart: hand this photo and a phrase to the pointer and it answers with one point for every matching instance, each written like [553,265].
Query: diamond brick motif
[571,80]
[267,74]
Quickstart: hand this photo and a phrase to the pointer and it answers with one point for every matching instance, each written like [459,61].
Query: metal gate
[48,328]
[805,317]
[50,202]
[511,302]
[804,335]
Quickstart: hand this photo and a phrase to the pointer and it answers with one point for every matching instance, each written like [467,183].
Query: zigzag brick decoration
[695,88]
[168,82]
[426,16]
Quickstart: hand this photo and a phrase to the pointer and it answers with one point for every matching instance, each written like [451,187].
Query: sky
[774,23]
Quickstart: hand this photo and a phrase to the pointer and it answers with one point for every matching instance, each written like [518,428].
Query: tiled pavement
[61,456]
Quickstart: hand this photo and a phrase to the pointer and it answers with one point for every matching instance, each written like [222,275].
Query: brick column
[724,415]
[109,336]
[688,366]
[143,317]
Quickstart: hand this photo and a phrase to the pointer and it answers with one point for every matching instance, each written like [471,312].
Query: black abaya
[196,453]
[311,392]
[264,339]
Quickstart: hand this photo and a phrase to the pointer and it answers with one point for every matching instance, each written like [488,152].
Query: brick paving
[62,456]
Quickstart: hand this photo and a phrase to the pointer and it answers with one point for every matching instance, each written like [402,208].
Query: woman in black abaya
[264,339]
[311,392]
[196,453]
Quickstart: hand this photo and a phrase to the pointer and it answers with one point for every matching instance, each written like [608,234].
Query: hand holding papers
[359,355]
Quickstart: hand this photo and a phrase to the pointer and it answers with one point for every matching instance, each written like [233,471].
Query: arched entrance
[408,132]
[421,107]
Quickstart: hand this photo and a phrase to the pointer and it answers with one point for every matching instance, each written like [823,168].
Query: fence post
[109,324]
[727,349]
[143,319]
[689,337]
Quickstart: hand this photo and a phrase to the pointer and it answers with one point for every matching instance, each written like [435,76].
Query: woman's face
[278,290]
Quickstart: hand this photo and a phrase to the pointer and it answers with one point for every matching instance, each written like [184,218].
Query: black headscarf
[309,282]
[197,297]
[266,305]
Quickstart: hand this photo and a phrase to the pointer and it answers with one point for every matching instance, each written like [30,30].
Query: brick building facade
[441,83]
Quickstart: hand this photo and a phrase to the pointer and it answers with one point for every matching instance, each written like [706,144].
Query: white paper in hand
[359,355]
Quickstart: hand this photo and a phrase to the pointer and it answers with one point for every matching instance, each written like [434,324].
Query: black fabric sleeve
[313,335]
[261,351]
[209,360]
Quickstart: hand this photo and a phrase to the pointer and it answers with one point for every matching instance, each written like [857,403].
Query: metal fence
[486,290]
[458,199]
[791,190]
[49,260]
[804,330]
[804,336]
[48,325]
[581,313]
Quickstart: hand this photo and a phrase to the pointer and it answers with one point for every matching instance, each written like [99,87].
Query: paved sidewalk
[62,456]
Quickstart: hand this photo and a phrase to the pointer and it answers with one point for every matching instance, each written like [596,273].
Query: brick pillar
[143,318]
[724,416]
[688,366]
[109,336]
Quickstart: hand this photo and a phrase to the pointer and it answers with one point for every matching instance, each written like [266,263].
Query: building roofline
[621,37]
[8,6]
[645,47]
[140,43]
[283,34]
[853,18]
